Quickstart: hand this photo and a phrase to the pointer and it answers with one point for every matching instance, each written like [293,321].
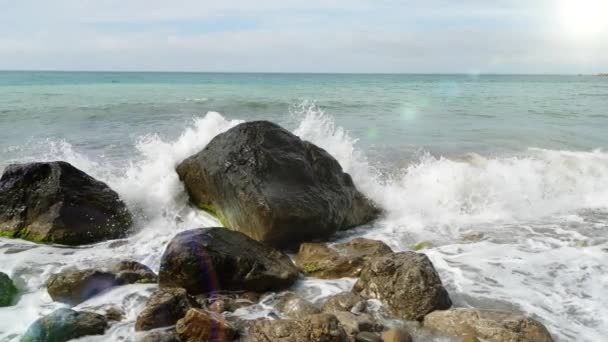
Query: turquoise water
[504,177]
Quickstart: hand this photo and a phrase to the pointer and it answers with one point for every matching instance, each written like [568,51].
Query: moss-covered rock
[54,202]
[64,325]
[262,180]
[8,291]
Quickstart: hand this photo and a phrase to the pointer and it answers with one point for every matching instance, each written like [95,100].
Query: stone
[367,336]
[54,202]
[161,336]
[64,325]
[74,287]
[406,283]
[8,290]
[200,325]
[132,272]
[164,308]
[354,324]
[345,301]
[291,306]
[207,260]
[315,328]
[340,260]
[396,335]
[262,180]
[490,326]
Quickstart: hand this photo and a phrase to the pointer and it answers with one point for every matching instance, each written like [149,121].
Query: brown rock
[321,260]
[74,287]
[354,324]
[164,308]
[491,326]
[200,325]
[406,283]
[315,328]
[345,301]
[131,272]
[396,335]
[292,306]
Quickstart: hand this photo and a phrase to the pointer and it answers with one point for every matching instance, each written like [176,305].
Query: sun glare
[584,17]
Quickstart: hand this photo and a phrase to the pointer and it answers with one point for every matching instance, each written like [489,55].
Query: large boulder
[8,291]
[200,325]
[490,326]
[65,325]
[406,283]
[315,328]
[340,260]
[262,180]
[75,286]
[164,308]
[218,259]
[54,202]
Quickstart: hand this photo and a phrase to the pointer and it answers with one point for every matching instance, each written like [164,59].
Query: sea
[502,180]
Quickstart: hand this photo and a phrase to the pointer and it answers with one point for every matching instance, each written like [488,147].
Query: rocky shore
[274,194]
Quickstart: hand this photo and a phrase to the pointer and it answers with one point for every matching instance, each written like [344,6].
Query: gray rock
[218,259]
[345,301]
[406,283]
[64,325]
[54,202]
[161,336]
[354,324]
[262,180]
[292,306]
[315,328]
[367,336]
[74,287]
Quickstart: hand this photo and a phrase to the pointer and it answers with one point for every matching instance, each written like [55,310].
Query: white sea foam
[543,246]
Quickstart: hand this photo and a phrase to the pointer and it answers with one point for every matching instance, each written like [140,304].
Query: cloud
[309,36]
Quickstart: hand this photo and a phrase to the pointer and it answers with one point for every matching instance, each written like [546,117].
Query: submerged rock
[75,286]
[200,325]
[340,260]
[164,308]
[218,259]
[345,301]
[406,283]
[54,202]
[315,328]
[8,291]
[491,326]
[262,180]
[396,335]
[64,325]
[292,306]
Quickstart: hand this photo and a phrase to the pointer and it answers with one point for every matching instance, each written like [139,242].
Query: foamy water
[528,232]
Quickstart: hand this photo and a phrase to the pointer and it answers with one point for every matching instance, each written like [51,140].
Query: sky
[367,36]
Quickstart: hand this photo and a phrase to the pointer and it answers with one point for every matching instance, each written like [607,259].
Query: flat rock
[208,260]
[340,260]
[490,326]
[291,306]
[54,202]
[262,180]
[315,328]
[406,283]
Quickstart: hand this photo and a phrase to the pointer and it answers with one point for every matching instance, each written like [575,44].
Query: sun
[584,17]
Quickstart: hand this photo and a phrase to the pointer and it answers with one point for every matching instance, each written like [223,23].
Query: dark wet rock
[54,202]
[315,328]
[74,287]
[345,301]
[396,335]
[340,260]
[262,180]
[354,324]
[490,326]
[218,259]
[164,308]
[406,283]
[132,272]
[64,325]
[161,336]
[200,325]
[115,314]
[291,306]
[367,336]
[8,290]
